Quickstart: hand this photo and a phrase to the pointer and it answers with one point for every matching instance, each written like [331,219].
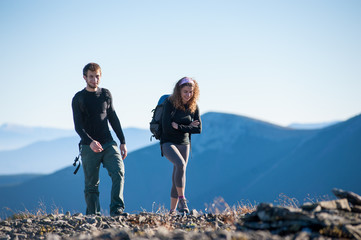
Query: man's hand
[96,146]
[123,151]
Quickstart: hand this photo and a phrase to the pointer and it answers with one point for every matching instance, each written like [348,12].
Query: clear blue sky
[278,61]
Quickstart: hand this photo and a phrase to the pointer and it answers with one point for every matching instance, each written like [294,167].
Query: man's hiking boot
[119,212]
[182,205]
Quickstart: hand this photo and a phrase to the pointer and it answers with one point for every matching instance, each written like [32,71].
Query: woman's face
[186,93]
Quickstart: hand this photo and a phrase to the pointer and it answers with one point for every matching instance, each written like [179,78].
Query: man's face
[92,79]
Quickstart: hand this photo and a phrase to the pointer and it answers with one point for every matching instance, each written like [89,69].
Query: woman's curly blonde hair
[176,98]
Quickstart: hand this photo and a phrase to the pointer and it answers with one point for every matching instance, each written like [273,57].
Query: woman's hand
[175,125]
[195,123]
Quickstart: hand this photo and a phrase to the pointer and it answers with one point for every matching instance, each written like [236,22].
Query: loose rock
[323,220]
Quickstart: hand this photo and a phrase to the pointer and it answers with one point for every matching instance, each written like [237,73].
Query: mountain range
[44,156]
[312,125]
[13,136]
[236,158]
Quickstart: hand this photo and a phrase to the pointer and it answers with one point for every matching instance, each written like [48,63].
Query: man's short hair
[91,67]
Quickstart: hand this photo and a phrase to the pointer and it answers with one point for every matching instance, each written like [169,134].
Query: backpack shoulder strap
[167,101]
[81,101]
[105,93]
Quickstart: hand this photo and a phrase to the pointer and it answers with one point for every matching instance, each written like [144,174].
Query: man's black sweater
[91,113]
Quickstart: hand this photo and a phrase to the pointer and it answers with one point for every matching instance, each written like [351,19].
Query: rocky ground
[337,219]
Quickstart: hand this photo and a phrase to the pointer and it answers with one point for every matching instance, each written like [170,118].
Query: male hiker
[92,109]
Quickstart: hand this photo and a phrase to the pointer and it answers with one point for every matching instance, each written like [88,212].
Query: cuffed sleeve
[191,129]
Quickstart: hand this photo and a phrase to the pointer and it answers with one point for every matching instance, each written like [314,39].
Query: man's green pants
[112,161]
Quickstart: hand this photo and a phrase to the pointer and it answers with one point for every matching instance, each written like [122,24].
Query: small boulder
[353,198]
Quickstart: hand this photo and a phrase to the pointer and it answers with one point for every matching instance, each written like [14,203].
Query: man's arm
[78,121]
[79,126]
[115,123]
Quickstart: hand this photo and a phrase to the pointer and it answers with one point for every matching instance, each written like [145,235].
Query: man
[92,110]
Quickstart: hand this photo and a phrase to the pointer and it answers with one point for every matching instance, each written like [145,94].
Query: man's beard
[94,86]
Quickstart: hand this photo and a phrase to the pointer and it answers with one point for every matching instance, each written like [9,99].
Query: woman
[180,119]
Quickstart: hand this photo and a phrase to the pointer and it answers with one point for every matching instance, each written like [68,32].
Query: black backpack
[155,125]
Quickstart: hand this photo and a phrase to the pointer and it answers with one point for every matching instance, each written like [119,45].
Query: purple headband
[186,80]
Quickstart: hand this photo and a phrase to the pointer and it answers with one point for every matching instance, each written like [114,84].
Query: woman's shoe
[172,212]
[182,205]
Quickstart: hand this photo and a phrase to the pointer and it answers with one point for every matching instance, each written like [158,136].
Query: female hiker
[180,119]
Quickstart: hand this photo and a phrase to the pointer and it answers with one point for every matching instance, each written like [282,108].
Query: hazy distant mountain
[14,136]
[330,159]
[12,180]
[237,158]
[49,156]
[312,125]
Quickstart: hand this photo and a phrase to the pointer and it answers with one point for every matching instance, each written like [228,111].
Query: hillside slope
[235,157]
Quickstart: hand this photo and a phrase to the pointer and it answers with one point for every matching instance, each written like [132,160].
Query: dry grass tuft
[41,210]
[286,201]
[220,206]
[315,199]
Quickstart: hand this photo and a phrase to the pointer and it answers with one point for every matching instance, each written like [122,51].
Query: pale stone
[353,198]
